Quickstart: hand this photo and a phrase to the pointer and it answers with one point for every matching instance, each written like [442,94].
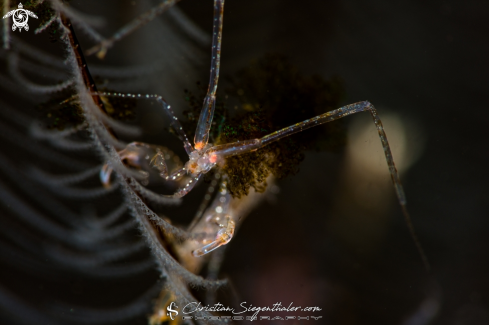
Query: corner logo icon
[172,313]
[20,17]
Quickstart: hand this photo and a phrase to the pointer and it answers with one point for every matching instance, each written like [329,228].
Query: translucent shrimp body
[203,157]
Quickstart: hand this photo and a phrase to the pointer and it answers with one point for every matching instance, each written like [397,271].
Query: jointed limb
[242,147]
[175,124]
[218,222]
[204,156]
[143,19]
[205,120]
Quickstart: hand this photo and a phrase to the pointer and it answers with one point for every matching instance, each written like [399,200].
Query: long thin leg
[238,148]
[181,192]
[175,124]
[218,215]
[143,19]
[203,205]
[205,119]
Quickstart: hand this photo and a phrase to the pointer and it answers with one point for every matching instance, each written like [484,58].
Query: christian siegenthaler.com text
[245,307]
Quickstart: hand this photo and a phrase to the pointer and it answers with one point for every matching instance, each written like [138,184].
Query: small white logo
[171,310]
[20,17]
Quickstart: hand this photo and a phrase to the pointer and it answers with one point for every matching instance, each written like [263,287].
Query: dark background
[320,241]
[425,62]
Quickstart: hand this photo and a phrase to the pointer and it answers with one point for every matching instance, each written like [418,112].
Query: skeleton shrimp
[203,156]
